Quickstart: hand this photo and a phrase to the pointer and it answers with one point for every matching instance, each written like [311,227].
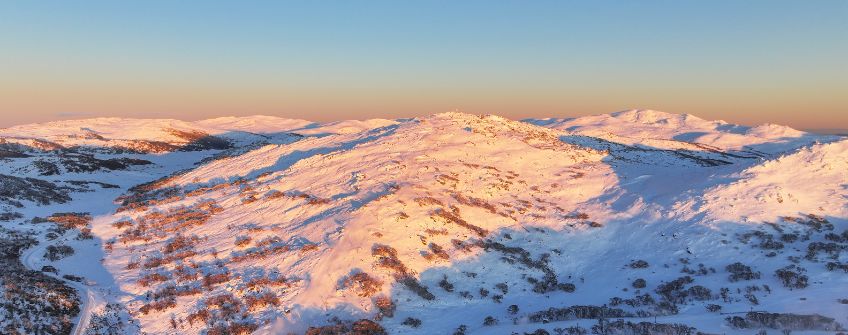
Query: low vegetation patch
[788,321]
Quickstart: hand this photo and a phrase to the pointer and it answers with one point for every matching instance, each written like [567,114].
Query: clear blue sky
[742,61]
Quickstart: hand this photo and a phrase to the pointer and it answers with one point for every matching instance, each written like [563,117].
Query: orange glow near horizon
[33,103]
[750,63]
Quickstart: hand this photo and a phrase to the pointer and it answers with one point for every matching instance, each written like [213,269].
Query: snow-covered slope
[682,131]
[810,180]
[453,223]
[166,135]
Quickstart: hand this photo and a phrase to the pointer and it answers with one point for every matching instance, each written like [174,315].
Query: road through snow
[89,297]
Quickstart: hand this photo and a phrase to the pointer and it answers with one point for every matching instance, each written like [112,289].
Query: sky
[747,62]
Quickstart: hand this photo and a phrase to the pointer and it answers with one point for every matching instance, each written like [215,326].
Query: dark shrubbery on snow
[621,327]
[360,327]
[445,284]
[637,301]
[789,321]
[639,264]
[387,259]
[450,217]
[674,291]
[57,252]
[14,189]
[549,281]
[833,266]
[411,322]
[33,302]
[198,140]
[9,216]
[739,271]
[386,306]
[832,250]
[416,287]
[74,162]
[460,330]
[577,312]
[699,293]
[573,330]
[792,277]
[813,221]
[363,284]
[789,238]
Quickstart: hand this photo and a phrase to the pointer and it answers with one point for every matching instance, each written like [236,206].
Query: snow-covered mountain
[682,131]
[627,223]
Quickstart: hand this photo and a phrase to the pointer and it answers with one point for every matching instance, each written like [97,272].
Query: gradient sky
[746,62]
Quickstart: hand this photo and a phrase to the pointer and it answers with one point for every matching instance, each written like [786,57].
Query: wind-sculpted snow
[456,224]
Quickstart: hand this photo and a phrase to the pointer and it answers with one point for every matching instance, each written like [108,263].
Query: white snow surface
[666,130]
[315,198]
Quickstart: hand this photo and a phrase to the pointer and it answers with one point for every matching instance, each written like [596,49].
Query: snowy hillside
[682,131]
[628,223]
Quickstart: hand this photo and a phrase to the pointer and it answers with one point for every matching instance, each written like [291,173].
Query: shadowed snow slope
[456,221]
